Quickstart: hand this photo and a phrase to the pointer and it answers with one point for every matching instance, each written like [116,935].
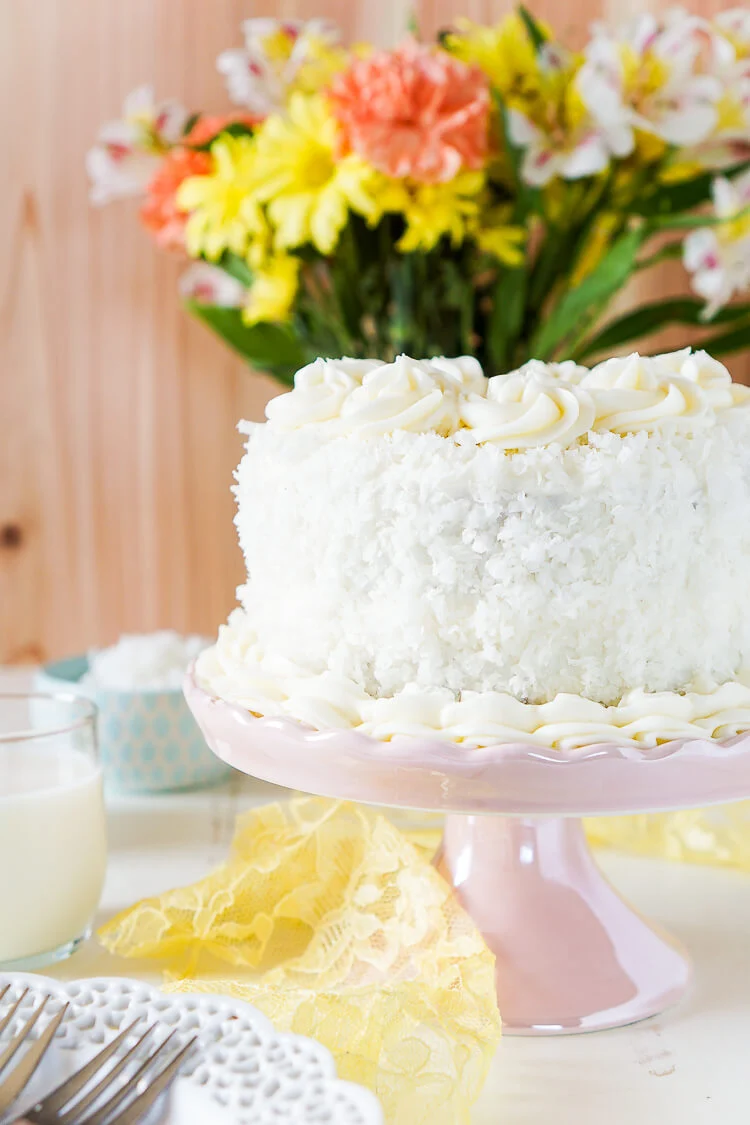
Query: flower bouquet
[490,193]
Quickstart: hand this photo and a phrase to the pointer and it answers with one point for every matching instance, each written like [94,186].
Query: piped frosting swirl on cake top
[539,404]
[371,398]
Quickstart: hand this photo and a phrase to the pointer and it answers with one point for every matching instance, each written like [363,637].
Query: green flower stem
[575,345]
[672,250]
[553,254]
[467,318]
[407,328]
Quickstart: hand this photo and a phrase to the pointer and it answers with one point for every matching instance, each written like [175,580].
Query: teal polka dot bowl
[149,741]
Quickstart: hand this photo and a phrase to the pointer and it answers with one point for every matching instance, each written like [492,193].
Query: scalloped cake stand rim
[514,779]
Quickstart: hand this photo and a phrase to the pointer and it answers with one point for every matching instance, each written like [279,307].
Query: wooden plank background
[117,413]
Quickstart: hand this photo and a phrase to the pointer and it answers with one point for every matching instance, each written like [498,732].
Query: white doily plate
[245,1072]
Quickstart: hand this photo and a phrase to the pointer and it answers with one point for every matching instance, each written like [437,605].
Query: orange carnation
[160,213]
[414,111]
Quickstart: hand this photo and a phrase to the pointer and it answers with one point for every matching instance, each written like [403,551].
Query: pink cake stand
[571,955]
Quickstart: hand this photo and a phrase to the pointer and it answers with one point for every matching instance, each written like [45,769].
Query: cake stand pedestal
[572,956]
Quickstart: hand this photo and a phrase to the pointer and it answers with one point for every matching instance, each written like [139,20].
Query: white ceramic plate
[245,1072]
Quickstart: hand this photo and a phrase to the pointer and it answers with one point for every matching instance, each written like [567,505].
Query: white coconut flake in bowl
[144,662]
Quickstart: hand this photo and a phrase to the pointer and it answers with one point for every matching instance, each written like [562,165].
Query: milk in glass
[52,845]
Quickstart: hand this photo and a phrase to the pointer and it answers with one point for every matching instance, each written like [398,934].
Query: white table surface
[689,1066]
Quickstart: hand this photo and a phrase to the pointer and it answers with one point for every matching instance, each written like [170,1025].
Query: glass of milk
[53,845]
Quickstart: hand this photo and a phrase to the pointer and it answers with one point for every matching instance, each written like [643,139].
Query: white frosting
[641,393]
[522,410]
[320,391]
[647,373]
[236,669]
[418,397]
[566,372]
[539,404]
[373,398]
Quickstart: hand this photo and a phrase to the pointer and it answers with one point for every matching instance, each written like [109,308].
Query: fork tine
[47,1109]
[75,1112]
[21,1074]
[13,1009]
[22,1035]
[105,1111]
[142,1103]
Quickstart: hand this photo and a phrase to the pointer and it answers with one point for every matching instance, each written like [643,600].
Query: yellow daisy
[223,213]
[273,290]
[434,211]
[504,242]
[504,52]
[308,190]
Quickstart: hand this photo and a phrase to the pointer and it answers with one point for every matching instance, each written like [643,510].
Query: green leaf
[571,311]
[675,198]
[650,318]
[689,222]
[671,250]
[271,347]
[725,343]
[234,129]
[237,268]
[535,32]
[513,152]
[192,120]
[506,319]
[554,256]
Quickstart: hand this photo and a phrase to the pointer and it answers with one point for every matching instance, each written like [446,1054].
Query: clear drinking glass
[53,844]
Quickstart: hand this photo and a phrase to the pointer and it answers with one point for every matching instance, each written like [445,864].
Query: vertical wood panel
[117,412]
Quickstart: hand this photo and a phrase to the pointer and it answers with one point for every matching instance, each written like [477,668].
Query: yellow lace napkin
[719,836]
[336,926]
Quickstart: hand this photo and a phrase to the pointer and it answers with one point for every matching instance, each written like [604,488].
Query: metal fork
[69,1103]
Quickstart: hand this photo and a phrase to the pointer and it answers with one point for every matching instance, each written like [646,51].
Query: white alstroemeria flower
[734,25]
[570,147]
[128,152]
[733,122]
[719,257]
[584,154]
[647,77]
[210,285]
[259,74]
[728,60]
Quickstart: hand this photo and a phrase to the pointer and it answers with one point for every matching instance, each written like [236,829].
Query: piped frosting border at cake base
[236,670]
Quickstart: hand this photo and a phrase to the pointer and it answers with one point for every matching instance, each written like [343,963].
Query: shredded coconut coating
[410,560]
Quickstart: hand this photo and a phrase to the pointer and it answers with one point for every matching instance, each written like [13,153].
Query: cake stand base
[572,956]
